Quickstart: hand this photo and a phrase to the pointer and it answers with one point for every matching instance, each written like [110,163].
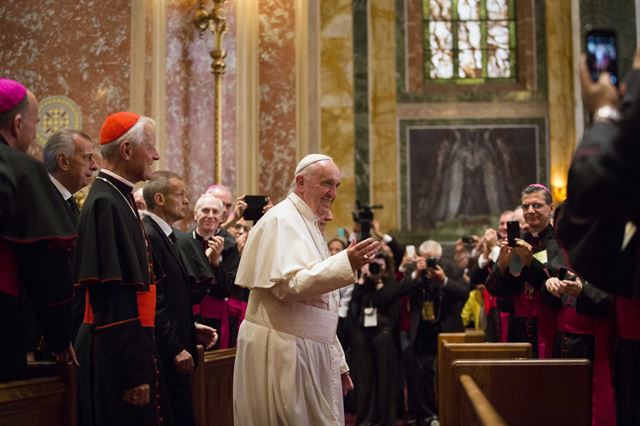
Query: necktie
[172,237]
[73,206]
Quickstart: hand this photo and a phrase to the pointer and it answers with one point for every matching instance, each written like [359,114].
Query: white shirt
[166,228]
[66,194]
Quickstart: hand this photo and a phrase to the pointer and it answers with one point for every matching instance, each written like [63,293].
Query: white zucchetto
[309,160]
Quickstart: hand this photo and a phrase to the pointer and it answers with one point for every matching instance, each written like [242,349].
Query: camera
[469,240]
[432,262]
[374,268]
[363,217]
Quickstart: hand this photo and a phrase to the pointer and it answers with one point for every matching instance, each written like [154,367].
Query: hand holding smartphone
[513,232]
[602,54]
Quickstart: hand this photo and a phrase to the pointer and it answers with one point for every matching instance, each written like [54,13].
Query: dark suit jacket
[175,329]
[449,300]
[602,196]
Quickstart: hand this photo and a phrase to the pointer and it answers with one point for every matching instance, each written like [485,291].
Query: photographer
[437,296]
[376,370]
[523,269]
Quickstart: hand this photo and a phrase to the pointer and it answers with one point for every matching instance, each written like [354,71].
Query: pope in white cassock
[290,367]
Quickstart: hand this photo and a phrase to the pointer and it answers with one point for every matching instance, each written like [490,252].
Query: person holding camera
[523,266]
[374,313]
[437,296]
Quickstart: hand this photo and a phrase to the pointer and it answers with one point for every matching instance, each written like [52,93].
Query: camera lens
[374,268]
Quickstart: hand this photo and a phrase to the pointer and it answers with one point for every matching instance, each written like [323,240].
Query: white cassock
[289,360]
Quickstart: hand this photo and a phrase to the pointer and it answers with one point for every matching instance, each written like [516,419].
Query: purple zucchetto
[11,94]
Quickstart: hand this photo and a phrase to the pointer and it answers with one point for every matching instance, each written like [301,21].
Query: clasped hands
[213,252]
[558,287]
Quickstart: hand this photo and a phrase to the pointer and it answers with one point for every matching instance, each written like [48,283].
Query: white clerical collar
[66,194]
[117,176]
[166,228]
[304,209]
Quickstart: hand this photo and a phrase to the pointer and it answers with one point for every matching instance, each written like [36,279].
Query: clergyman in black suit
[166,197]
[69,159]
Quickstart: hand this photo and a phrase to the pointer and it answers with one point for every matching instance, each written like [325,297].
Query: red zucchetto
[11,94]
[116,125]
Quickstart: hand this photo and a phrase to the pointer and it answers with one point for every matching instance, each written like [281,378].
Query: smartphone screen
[513,232]
[411,251]
[602,54]
[562,273]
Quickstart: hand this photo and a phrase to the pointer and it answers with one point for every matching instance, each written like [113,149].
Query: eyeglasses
[536,206]
[228,205]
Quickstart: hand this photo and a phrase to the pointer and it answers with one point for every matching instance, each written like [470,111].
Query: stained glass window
[469,40]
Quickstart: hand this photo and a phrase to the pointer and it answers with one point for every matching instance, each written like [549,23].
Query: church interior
[436,112]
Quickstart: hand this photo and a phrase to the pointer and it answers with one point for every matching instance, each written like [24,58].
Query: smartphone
[602,53]
[342,234]
[255,204]
[411,251]
[513,232]
[562,273]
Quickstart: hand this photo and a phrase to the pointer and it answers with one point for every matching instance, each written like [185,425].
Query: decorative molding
[637,22]
[454,110]
[247,97]
[141,14]
[138,54]
[158,81]
[302,77]
[576,39]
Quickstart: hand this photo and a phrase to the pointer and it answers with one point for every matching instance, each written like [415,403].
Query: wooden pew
[527,392]
[454,351]
[485,413]
[212,386]
[48,397]
[469,336]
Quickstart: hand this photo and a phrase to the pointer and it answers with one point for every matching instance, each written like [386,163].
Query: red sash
[237,308]
[146,301]
[571,321]
[212,307]
[628,318]
[8,271]
[532,307]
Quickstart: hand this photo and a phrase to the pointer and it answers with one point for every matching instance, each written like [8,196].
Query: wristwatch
[606,114]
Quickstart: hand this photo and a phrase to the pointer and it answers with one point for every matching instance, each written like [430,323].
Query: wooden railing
[49,398]
[213,387]
[486,414]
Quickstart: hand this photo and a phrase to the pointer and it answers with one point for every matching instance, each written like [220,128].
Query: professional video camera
[363,217]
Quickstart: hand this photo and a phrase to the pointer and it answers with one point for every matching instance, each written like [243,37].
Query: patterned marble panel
[190,143]
[76,48]
[384,165]
[413,46]
[562,132]
[277,91]
[229,101]
[361,99]
[337,132]
[336,102]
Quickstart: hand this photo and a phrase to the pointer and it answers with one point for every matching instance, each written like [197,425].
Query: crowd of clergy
[120,287]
